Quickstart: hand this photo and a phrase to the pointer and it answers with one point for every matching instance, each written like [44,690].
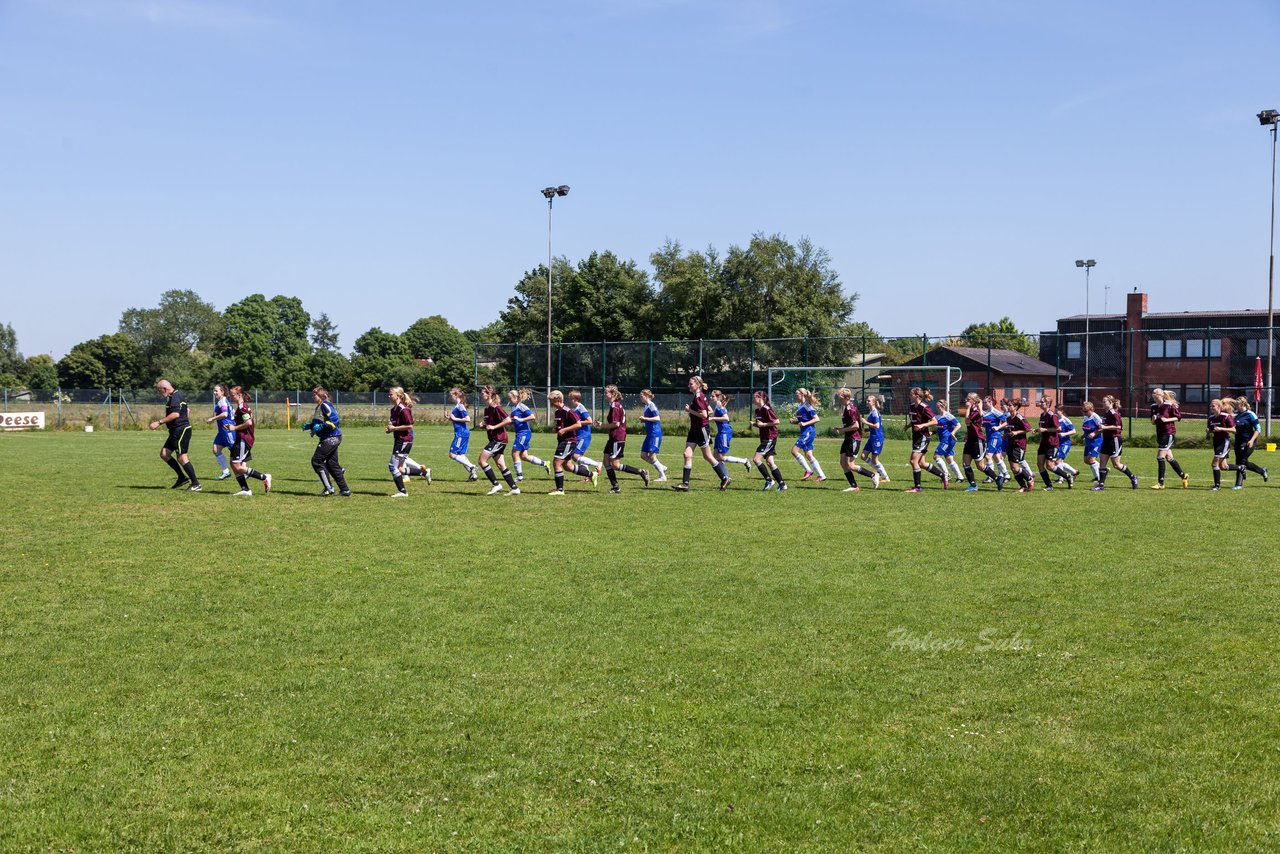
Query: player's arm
[243,425]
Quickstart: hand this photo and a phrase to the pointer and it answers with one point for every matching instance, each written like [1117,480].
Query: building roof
[1244,312]
[1009,362]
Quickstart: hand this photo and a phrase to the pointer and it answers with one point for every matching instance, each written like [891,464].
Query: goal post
[889,383]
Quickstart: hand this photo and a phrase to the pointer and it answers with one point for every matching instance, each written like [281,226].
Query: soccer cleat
[399,495]
[644,476]
[615,490]
[556,492]
[1000,481]
[595,479]
[1048,489]
[662,478]
[821,478]
[915,489]
[746,464]
[546,466]
[680,487]
[1157,486]
[884,478]
[180,483]
[1265,477]
[472,477]
[851,489]
[242,492]
[973,488]
[1215,488]
[225,474]
[1185,481]
[1099,488]
[875,481]
[782,487]
[346,493]
[497,487]
[946,482]
[266,483]
[195,487]
[515,491]
[807,475]
[1071,482]
[724,484]
[768,485]
[1133,482]
[426,475]
[1238,486]
[326,493]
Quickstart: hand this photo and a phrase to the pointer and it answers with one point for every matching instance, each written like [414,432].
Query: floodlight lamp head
[549,192]
[562,190]
[1079,263]
[1268,117]
[1091,263]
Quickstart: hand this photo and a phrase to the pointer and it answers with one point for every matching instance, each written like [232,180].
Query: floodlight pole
[1270,117]
[1087,265]
[550,194]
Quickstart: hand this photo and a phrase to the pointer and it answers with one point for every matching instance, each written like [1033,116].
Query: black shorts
[1221,447]
[241,452]
[564,449]
[973,447]
[1047,450]
[1112,446]
[400,447]
[179,440]
[613,449]
[767,447]
[495,449]
[1016,455]
[1164,442]
[849,447]
[699,436]
[920,443]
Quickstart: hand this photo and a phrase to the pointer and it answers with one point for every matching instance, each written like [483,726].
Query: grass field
[648,671]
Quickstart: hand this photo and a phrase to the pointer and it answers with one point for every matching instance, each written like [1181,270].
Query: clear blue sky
[382,161]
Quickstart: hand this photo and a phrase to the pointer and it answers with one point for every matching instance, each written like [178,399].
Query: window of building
[1073,349]
[1172,348]
[1196,348]
[1257,347]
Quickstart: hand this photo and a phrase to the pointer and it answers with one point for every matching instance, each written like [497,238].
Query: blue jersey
[1246,425]
[584,432]
[1004,434]
[947,425]
[518,412]
[1064,427]
[875,427]
[222,412]
[1092,429]
[327,416]
[990,424]
[652,429]
[723,428]
[461,428]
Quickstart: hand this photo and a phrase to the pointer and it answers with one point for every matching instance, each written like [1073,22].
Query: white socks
[804,464]
[587,461]
[222,460]
[738,460]
[463,461]
[1093,467]
[817,469]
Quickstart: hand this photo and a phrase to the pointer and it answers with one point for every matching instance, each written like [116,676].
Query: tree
[329,369]
[41,373]
[602,298]
[80,370]
[324,334]
[693,300]
[170,335]
[263,342]
[376,353]
[435,338]
[119,356]
[11,361]
[1003,334]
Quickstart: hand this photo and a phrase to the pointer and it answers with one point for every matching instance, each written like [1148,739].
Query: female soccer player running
[1050,432]
[324,426]
[400,426]
[652,445]
[851,430]
[944,455]
[974,442]
[461,432]
[1112,443]
[1091,427]
[875,437]
[1165,415]
[225,437]
[565,421]
[807,418]
[617,442]
[1246,436]
[585,423]
[1221,426]
[495,424]
[699,437]
[1066,435]
[1017,444]
[921,417]
[724,430]
[242,428]
[522,419]
[765,456]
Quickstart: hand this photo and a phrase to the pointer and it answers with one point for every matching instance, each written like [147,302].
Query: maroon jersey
[698,406]
[1112,418]
[974,421]
[565,417]
[1049,421]
[853,418]
[920,414]
[617,422]
[495,415]
[1018,423]
[402,415]
[765,414]
[1222,419]
[244,415]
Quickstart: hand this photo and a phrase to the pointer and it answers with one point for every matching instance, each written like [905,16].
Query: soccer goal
[891,385]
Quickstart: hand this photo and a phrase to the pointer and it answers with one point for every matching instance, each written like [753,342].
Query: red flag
[1257,382]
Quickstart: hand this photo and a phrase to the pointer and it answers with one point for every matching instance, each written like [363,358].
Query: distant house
[1000,373]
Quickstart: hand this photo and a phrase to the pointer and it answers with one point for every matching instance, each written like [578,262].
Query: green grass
[647,671]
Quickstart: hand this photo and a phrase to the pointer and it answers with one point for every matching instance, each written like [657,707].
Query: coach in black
[175,418]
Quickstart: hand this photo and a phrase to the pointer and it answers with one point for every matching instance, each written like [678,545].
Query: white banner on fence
[21,420]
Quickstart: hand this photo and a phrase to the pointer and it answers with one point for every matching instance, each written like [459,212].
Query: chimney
[1135,308]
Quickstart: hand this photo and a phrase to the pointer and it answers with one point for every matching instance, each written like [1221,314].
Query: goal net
[892,385]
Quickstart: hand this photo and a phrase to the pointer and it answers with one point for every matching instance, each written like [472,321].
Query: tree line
[769,288]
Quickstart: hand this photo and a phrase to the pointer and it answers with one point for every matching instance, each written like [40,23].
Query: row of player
[995,440]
